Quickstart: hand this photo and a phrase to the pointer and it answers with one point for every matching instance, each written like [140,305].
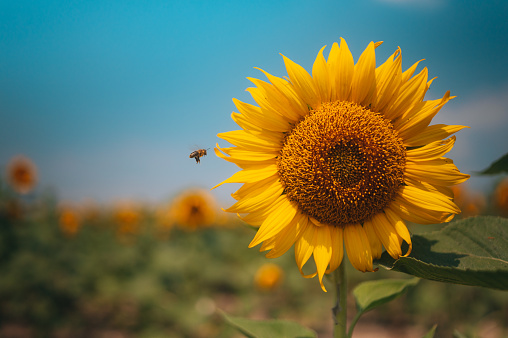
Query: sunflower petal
[337,236]
[432,150]
[439,171]
[341,69]
[375,244]
[358,247]
[387,235]
[321,77]
[400,227]
[258,117]
[276,220]
[363,83]
[251,175]
[431,134]
[303,83]
[322,252]
[304,246]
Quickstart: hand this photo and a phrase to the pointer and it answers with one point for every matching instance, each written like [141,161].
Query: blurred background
[108,229]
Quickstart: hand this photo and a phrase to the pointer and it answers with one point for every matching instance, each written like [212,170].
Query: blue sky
[109,97]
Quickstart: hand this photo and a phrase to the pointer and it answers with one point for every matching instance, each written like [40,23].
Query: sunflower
[193,209]
[21,174]
[345,155]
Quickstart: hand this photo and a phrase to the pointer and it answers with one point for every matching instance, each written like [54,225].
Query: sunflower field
[183,270]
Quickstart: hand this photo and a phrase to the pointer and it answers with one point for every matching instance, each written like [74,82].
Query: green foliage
[269,328]
[497,167]
[473,251]
[431,333]
[371,294]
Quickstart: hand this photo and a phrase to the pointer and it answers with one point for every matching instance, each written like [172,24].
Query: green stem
[340,308]
[353,323]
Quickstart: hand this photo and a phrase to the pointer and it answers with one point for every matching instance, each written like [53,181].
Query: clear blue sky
[109,97]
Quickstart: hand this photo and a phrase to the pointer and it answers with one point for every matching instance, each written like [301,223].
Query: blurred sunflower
[501,197]
[193,209]
[21,174]
[268,277]
[69,220]
[127,217]
[342,156]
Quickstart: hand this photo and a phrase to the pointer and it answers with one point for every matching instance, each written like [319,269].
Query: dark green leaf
[269,328]
[431,333]
[472,251]
[371,294]
[499,166]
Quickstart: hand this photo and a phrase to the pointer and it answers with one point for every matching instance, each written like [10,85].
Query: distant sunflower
[127,216]
[21,174]
[342,156]
[70,220]
[194,208]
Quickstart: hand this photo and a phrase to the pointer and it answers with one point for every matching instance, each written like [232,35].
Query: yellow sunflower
[21,174]
[193,209]
[344,155]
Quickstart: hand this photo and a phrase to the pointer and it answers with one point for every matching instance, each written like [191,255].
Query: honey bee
[197,154]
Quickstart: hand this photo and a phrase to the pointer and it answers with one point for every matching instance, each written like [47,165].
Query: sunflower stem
[340,308]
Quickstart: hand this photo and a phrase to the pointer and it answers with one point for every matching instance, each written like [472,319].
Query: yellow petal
[388,80]
[445,191]
[253,188]
[251,175]
[428,200]
[302,82]
[439,171]
[337,236]
[247,140]
[304,246]
[273,101]
[432,134]
[321,77]
[286,238]
[340,69]
[431,151]
[400,227]
[322,252]
[409,73]
[416,214]
[258,200]
[259,118]
[410,93]
[375,243]
[299,107]
[363,83]
[420,116]
[387,235]
[276,220]
[358,247]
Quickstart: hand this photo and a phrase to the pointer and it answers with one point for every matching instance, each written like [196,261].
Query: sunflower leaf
[371,294]
[431,333]
[269,328]
[497,167]
[473,251]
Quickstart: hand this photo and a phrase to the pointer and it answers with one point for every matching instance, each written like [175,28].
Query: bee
[197,154]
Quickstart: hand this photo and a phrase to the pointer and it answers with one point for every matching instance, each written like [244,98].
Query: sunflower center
[342,163]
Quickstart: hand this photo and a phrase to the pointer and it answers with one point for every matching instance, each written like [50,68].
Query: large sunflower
[342,156]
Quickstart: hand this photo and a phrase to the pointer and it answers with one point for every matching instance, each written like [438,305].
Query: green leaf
[499,166]
[473,251]
[269,328]
[371,294]
[431,333]
[457,334]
